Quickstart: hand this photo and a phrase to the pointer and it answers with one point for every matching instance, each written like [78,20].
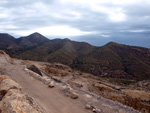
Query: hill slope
[7,41]
[112,60]
[69,86]
[117,61]
[15,46]
[58,50]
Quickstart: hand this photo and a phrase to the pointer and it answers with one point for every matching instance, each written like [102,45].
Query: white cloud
[55,31]
[138,30]
[3,15]
[105,35]
[117,17]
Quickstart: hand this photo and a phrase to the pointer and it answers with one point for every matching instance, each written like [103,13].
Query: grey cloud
[28,15]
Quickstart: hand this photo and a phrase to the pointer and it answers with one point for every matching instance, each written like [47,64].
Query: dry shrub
[74,84]
[144,96]
[26,62]
[103,87]
[87,75]
[136,103]
[139,100]
[62,67]
[52,70]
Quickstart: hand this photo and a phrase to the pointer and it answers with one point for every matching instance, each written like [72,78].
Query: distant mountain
[58,50]
[7,41]
[31,40]
[117,60]
[15,46]
[111,60]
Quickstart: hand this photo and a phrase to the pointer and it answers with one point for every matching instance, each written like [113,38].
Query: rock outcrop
[2,52]
[34,69]
[5,57]
[13,99]
[2,77]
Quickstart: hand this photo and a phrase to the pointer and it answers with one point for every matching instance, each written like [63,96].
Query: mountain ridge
[112,59]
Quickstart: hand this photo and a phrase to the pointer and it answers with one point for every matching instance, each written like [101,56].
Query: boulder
[68,91]
[7,84]
[51,84]
[2,77]
[34,69]
[16,101]
[88,106]
[73,95]
[96,110]
[13,100]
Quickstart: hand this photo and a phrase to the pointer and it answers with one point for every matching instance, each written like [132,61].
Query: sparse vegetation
[54,71]
[121,81]
[137,99]
[144,96]
[121,90]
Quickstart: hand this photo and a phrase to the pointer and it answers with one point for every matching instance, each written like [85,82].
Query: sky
[94,21]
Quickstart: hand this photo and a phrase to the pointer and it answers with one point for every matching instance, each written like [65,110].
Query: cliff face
[13,99]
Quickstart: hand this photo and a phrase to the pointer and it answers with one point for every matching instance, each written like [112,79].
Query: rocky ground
[58,90]
[14,100]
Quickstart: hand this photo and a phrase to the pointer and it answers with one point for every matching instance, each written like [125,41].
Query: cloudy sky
[94,21]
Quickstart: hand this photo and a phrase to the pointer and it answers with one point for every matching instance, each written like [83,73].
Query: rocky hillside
[111,60]
[57,85]
[116,60]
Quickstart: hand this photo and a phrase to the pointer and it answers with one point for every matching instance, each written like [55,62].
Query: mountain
[7,41]
[110,60]
[15,46]
[31,40]
[58,50]
[117,60]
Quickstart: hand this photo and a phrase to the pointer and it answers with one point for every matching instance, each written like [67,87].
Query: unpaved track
[50,99]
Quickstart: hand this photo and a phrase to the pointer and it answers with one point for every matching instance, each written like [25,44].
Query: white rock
[51,84]
[95,110]
[88,106]
[73,95]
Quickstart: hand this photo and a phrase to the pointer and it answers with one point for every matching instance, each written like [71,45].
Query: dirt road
[50,99]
